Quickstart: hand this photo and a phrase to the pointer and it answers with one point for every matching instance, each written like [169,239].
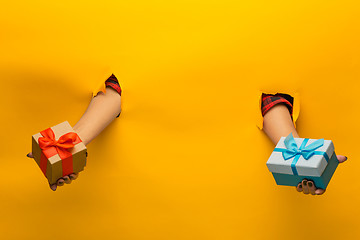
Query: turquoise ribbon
[307,152]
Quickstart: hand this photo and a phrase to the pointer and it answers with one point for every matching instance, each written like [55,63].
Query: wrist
[80,132]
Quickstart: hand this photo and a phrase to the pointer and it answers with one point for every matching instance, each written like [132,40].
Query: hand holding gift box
[59,151]
[102,110]
[278,121]
[295,159]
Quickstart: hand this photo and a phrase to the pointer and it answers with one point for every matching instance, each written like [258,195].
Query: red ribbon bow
[50,147]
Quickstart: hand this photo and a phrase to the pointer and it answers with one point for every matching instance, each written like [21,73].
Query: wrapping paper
[58,151]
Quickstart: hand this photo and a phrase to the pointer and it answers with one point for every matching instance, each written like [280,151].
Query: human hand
[61,181]
[307,187]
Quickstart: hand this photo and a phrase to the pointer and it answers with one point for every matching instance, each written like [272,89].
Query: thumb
[341,158]
[30,155]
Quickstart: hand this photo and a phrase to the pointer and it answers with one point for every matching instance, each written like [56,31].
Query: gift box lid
[297,164]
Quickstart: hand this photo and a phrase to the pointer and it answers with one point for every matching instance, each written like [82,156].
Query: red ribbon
[50,147]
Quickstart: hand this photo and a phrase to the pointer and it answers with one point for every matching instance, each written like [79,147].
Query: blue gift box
[295,159]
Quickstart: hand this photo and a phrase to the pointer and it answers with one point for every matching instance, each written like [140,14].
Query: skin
[102,110]
[278,123]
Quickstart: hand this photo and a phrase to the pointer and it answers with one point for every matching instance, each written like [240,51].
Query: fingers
[311,187]
[319,191]
[66,179]
[305,187]
[53,187]
[341,158]
[74,176]
[30,155]
[60,182]
[299,187]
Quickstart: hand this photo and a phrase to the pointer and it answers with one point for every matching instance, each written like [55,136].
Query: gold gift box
[54,167]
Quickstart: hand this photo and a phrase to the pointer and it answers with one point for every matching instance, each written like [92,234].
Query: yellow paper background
[185,160]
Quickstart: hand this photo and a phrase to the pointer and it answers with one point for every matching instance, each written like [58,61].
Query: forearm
[101,111]
[278,123]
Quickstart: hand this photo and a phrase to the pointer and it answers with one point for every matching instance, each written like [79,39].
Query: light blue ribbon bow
[293,150]
[307,152]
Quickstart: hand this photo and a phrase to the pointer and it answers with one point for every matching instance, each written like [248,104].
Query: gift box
[59,151]
[295,159]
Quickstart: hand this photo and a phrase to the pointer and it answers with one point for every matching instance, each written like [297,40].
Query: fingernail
[300,186]
[345,158]
[28,155]
[305,183]
[310,184]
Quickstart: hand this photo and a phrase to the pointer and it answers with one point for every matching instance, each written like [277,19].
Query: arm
[101,111]
[278,123]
